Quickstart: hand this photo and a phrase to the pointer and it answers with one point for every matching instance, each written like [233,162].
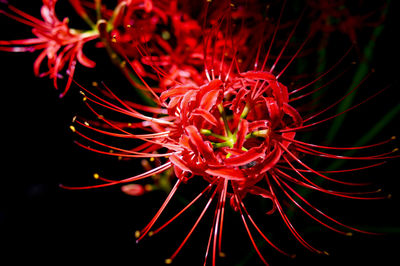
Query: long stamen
[238,202]
[169,260]
[146,229]
[151,233]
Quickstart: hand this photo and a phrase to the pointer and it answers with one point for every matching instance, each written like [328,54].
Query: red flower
[331,16]
[236,136]
[61,45]
[237,132]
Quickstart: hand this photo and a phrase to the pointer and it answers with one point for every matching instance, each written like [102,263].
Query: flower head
[236,130]
[58,43]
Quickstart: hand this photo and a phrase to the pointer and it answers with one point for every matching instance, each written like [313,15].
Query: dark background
[42,223]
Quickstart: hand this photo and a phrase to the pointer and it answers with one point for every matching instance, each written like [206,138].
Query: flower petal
[246,157]
[228,173]
[206,115]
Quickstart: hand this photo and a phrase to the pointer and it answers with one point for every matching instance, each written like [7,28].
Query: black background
[42,223]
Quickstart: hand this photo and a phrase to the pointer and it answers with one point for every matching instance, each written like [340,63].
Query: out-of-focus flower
[59,44]
[331,16]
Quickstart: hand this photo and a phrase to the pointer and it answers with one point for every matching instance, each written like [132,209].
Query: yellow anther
[152,159]
[123,64]
[96,176]
[349,234]
[100,117]
[326,253]
[72,128]
[393,137]
[396,149]
[86,124]
[95,84]
[137,233]
[205,131]
[73,119]
[151,233]
[169,261]
[84,99]
[222,254]
[165,35]
[148,187]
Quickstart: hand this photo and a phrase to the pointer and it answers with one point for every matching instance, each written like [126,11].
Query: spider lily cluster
[216,104]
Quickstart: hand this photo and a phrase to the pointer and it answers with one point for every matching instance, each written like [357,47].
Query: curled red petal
[209,100]
[263,75]
[246,157]
[271,160]
[176,91]
[265,194]
[178,162]
[205,115]
[83,59]
[243,129]
[204,148]
[274,111]
[293,113]
[228,173]
[259,124]
[280,92]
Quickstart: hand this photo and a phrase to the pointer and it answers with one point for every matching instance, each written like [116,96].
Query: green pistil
[246,110]
[231,141]
[260,133]
[208,132]
[228,141]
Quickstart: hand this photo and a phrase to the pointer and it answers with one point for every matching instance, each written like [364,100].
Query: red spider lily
[168,40]
[237,132]
[234,153]
[170,48]
[334,16]
[61,45]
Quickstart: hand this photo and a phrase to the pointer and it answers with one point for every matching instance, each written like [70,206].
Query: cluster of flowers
[214,104]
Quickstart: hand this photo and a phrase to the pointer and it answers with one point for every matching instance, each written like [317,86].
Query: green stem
[362,70]
[98,9]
